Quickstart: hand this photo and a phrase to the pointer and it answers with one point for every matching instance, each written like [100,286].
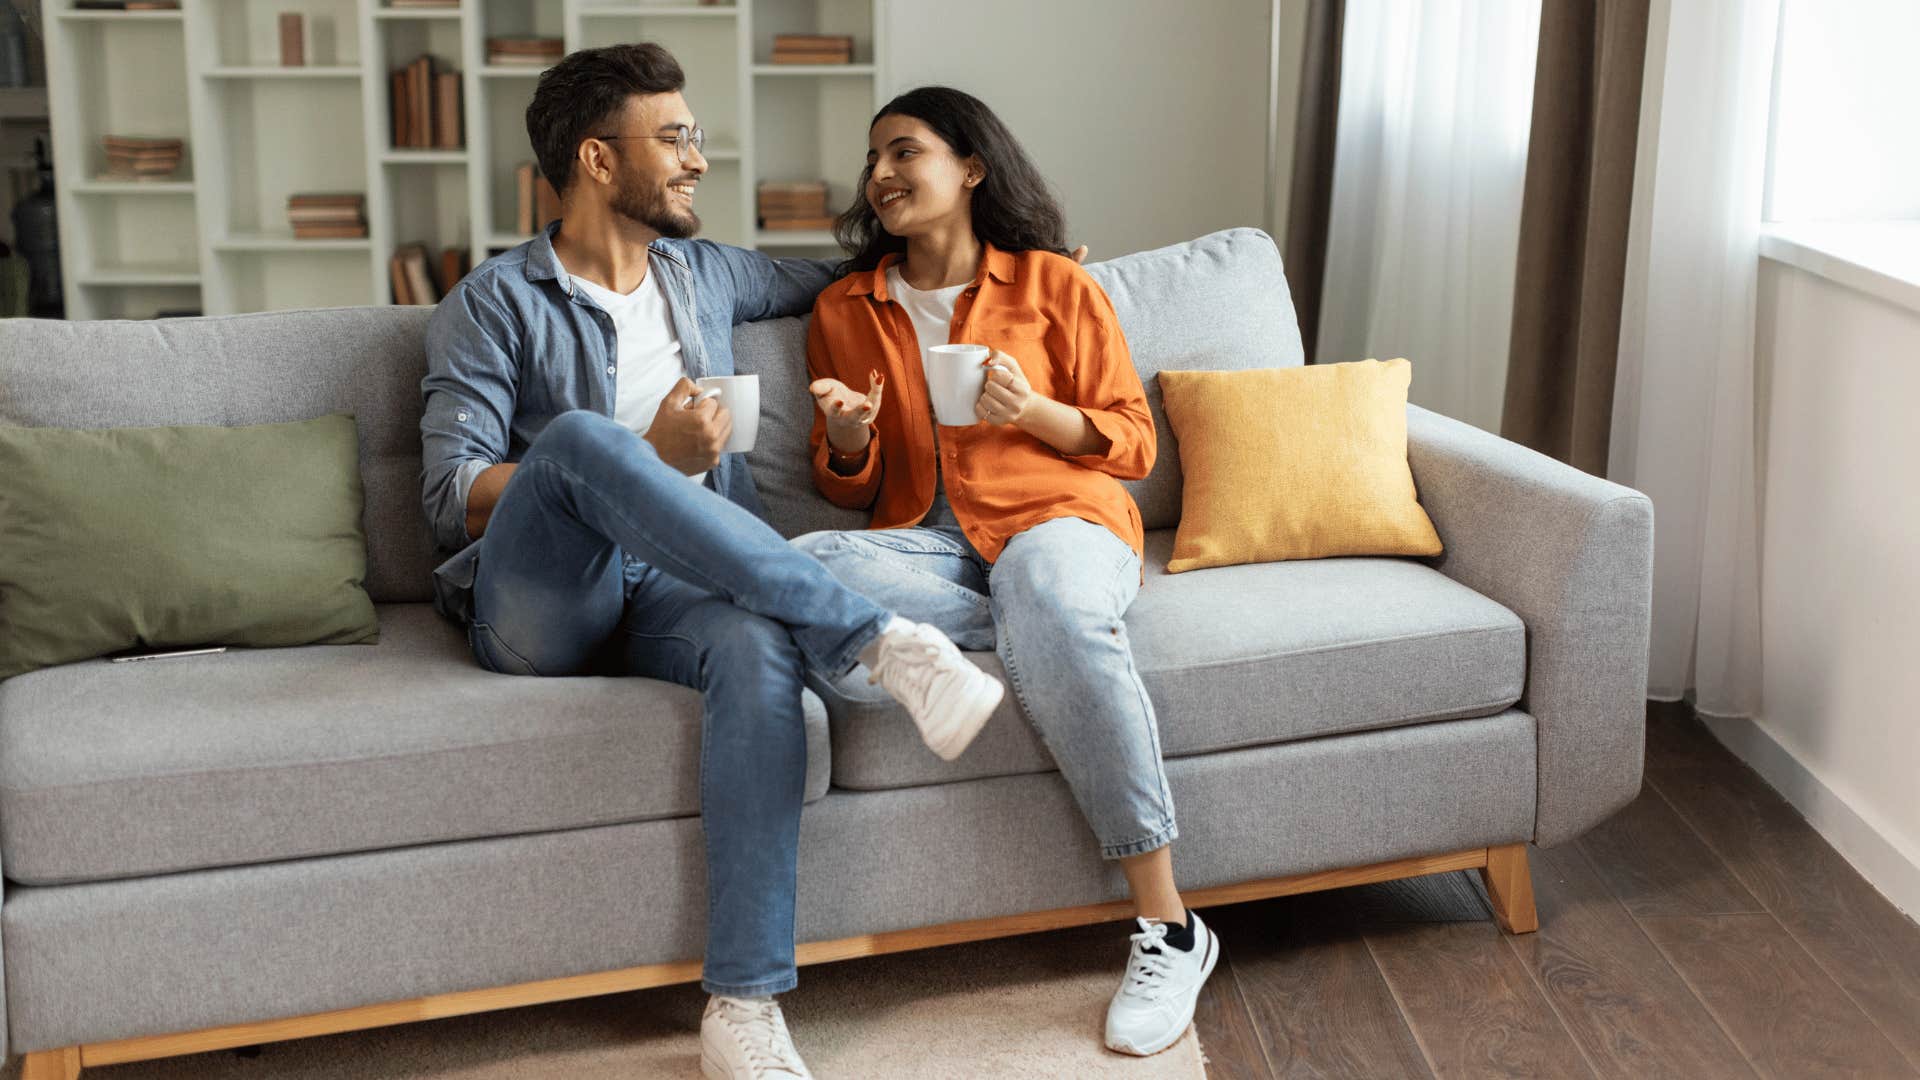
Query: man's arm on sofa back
[1572,555]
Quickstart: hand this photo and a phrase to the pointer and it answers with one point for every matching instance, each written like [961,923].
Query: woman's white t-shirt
[932,313]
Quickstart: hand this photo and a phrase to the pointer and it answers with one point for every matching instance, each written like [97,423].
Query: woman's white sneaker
[746,1039]
[948,697]
[1155,1001]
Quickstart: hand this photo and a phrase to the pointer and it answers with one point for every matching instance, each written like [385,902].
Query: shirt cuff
[464,475]
[1108,425]
[852,486]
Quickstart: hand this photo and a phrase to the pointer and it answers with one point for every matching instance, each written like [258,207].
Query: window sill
[1879,258]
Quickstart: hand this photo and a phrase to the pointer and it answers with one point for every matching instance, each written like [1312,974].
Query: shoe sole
[958,734]
[1206,971]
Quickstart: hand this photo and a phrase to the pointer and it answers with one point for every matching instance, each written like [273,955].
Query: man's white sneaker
[948,698]
[746,1039]
[1155,1002]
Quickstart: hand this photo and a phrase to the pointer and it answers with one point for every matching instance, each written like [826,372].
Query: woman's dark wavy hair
[1013,209]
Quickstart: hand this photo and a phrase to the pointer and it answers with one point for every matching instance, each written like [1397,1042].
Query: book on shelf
[446,111]
[132,157]
[511,51]
[793,206]
[453,267]
[539,203]
[413,280]
[797,224]
[813,41]
[426,107]
[402,115]
[422,101]
[293,39]
[140,142]
[355,231]
[126,5]
[327,215]
[327,198]
[397,275]
[796,59]
[423,3]
[812,49]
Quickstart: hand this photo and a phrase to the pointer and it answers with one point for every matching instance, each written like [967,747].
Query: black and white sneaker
[1155,1001]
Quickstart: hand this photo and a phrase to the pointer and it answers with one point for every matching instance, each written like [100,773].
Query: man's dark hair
[582,93]
[1013,209]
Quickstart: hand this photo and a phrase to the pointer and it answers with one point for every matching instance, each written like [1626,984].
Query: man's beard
[654,207]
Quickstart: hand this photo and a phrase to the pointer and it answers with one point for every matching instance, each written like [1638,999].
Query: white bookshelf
[214,237]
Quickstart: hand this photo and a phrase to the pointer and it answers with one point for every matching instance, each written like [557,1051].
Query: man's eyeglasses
[684,139]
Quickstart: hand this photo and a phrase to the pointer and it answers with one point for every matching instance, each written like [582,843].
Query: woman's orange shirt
[1048,314]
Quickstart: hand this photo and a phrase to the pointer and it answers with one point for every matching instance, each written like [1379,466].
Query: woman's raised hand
[848,412]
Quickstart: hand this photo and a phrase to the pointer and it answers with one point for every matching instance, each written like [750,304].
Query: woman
[1013,533]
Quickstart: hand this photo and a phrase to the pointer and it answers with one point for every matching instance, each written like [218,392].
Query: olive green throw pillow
[156,538]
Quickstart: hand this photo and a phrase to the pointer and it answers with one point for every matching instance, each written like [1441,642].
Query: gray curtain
[1573,229]
[1310,202]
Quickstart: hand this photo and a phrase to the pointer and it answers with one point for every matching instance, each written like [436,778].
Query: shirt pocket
[1029,342]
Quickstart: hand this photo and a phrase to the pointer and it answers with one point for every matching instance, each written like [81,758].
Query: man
[571,462]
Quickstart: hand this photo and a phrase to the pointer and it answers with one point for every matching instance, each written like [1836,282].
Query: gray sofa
[202,845]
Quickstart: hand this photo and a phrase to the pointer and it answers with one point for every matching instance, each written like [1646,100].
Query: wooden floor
[1704,931]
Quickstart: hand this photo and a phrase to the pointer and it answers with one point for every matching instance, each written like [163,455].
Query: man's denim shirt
[515,344]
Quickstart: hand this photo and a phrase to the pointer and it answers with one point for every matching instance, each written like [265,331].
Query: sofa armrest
[1572,555]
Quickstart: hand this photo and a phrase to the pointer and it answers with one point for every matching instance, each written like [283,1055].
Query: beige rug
[1027,1007]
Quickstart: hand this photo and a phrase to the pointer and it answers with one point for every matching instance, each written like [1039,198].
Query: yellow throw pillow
[1294,463]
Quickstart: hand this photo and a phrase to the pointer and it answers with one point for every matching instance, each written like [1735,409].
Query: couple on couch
[572,462]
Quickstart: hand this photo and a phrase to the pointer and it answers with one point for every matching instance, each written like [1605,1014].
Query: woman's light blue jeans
[1053,608]
[601,559]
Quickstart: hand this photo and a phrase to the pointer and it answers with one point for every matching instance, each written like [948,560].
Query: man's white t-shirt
[647,359]
[932,313]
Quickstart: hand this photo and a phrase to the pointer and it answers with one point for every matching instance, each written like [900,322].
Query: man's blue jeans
[601,559]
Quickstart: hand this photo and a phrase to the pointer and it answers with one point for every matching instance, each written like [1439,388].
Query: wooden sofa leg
[1510,887]
[61,1064]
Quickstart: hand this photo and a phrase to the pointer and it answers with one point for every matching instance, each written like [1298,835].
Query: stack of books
[793,207]
[327,216]
[426,107]
[539,203]
[414,281]
[131,158]
[525,52]
[812,49]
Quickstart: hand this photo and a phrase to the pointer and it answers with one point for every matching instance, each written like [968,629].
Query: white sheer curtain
[1436,98]
[1684,424]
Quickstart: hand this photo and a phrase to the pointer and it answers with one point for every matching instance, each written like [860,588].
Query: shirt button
[609,369]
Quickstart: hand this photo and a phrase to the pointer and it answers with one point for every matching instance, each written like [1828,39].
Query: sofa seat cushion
[1242,656]
[119,770]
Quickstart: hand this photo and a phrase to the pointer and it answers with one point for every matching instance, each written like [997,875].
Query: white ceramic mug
[955,376]
[740,394]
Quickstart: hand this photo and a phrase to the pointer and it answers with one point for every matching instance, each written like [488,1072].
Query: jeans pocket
[493,654]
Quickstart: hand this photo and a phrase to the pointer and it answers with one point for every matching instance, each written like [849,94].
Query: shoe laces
[909,663]
[1150,965]
[763,1034]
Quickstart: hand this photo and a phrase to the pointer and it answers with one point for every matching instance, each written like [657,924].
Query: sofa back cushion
[249,369]
[1218,303]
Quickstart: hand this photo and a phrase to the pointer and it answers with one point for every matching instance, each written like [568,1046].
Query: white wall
[1149,118]
[1840,578]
